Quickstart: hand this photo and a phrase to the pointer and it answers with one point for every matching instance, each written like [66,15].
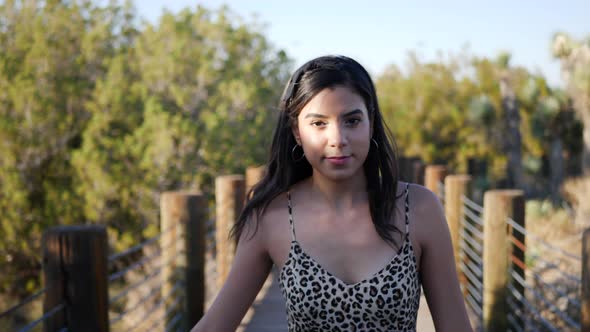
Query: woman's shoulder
[276,216]
[276,209]
[420,196]
[427,213]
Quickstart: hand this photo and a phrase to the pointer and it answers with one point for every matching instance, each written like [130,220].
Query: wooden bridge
[511,279]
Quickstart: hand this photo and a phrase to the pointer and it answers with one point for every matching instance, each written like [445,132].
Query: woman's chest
[350,249]
[388,298]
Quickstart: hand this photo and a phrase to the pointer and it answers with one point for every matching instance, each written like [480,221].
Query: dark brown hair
[381,166]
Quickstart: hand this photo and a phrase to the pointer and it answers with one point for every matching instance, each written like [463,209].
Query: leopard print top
[319,301]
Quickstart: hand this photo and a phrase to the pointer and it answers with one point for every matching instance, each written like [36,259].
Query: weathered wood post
[403,163]
[229,201]
[455,187]
[499,255]
[183,217]
[433,175]
[253,176]
[586,281]
[75,273]
[171,211]
[418,170]
[411,169]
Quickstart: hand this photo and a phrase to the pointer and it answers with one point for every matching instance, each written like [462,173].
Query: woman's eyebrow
[321,116]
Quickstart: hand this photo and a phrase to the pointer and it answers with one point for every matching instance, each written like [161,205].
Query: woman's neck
[339,195]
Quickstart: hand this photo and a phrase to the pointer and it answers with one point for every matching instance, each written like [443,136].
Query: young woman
[352,244]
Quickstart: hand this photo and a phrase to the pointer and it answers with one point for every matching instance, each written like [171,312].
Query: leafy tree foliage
[575,64]
[451,110]
[100,114]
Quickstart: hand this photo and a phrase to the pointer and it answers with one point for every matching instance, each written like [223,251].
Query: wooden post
[586,281]
[171,211]
[455,187]
[75,272]
[433,175]
[183,255]
[405,169]
[497,252]
[229,200]
[253,176]
[418,171]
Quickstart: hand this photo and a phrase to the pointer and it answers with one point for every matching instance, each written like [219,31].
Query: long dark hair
[282,171]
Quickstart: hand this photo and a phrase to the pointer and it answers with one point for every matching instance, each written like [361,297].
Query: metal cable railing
[173,322]
[24,302]
[550,306]
[542,242]
[135,287]
[536,295]
[159,304]
[533,317]
[127,253]
[130,252]
[143,261]
[50,313]
[159,321]
[46,316]
[152,293]
[151,270]
[471,255]
[472,205]
[141,282]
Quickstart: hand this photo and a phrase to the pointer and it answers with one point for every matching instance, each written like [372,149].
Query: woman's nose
[337,136]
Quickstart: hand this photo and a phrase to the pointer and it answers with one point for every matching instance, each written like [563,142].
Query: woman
[352,243]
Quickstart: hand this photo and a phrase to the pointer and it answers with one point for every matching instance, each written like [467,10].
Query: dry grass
[577,192]
[23,316]
[553,249]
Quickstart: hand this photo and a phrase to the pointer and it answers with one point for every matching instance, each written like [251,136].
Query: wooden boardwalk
[268,311]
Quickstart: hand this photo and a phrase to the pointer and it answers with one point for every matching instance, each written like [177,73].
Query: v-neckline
[339,280]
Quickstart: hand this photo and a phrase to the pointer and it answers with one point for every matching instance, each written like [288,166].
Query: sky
[380,33]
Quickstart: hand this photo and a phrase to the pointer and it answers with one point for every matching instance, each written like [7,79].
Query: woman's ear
[295,131]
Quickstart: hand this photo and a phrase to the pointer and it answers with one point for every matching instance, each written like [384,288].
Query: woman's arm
[249,270]
[437,265]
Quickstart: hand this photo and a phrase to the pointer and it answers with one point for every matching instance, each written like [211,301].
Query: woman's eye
[317,123]
[354,121]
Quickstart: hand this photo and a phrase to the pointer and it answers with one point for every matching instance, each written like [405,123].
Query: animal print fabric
[318,301]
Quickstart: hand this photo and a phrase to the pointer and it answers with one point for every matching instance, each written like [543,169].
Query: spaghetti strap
[408,208]
[393,291]
[291,216]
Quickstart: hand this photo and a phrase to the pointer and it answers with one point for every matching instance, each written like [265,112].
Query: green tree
[98,116]
[575,64]
[454,109]
[192,99]
[51,54]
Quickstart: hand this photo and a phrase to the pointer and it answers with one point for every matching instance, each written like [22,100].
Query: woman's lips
[338,160]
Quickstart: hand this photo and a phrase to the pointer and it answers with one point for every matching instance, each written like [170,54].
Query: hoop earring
[376,144]
[293,156]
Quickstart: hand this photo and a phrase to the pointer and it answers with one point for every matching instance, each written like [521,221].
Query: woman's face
[335,132]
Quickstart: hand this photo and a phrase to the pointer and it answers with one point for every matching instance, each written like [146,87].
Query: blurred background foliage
[100,112]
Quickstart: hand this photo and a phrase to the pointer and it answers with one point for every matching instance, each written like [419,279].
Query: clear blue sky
[378,33]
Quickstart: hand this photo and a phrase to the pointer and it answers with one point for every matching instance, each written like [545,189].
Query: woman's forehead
[335,101]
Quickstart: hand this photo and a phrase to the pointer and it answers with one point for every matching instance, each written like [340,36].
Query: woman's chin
[340,174]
